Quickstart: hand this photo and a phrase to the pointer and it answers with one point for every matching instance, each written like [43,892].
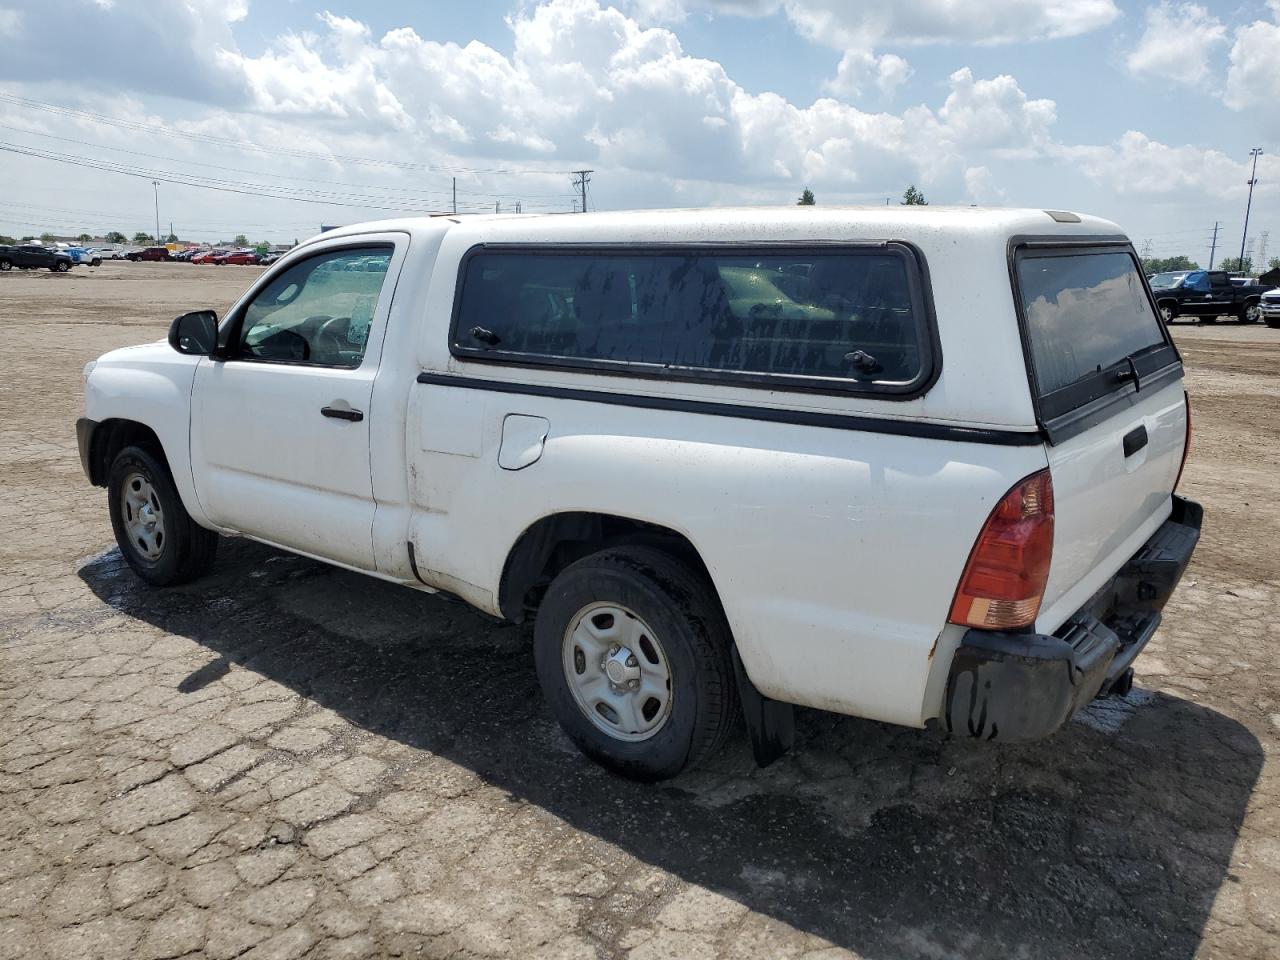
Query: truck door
[280,429]
[1198,298]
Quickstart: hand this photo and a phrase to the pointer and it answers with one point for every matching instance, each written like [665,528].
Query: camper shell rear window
[1090,328]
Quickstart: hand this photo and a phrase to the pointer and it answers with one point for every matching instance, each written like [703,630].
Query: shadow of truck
[887,841]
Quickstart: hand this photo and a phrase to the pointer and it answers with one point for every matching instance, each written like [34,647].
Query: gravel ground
[286,760]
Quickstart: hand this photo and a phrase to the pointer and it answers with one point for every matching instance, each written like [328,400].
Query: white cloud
[995,113]
[1177,43]
[1253,76]
[864,24]
[1136,164]
[980,186]
[857,68]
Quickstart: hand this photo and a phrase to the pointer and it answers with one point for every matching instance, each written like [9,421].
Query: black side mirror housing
[195,333]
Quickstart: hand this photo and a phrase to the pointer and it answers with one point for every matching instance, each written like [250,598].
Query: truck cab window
[318,311]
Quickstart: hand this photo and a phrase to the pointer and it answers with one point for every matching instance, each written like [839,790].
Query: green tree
[171,238]
[85,237]
[913,198]
[115,236]
[1273,263]
[47,237]
[806,199]
[27,237]
[7,241]
[141,239]
[1156,265]
[241,240]
[1236,265]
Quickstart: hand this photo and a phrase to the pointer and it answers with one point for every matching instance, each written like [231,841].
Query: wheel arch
[112,436]
[552,542]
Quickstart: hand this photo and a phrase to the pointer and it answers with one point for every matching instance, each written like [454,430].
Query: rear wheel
[61,267]
[632,653]
[95,262]
[1250,312]
[156,535]
[1169,311]
[5,265]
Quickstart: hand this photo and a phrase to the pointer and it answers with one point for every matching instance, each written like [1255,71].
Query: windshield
[1168,279]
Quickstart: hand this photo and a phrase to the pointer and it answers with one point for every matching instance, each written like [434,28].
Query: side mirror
[195,333]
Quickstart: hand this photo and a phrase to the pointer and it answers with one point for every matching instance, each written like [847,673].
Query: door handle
[338,413]
[1135,440]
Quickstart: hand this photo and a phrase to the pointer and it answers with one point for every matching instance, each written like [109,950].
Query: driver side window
[1198,282]
[318,311]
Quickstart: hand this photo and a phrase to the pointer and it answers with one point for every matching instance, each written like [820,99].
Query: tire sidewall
[665,753]
[6,265]
[136,460]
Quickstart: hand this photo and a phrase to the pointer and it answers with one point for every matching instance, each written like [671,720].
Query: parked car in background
[26,256]
[269,258]
[206,256]
[82,256]
[241,257]
[109,253]
[1269,308]
[725,461]
[150,253]
[1205,295]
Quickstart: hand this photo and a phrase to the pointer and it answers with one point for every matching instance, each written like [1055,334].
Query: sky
[271,118]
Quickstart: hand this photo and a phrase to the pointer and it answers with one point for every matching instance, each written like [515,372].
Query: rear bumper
[1024,686]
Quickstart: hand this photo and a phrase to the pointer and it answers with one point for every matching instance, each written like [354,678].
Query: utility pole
[581,183]
[1213,244]
[497,206]
[455,194]
[1253,178]
[156,185]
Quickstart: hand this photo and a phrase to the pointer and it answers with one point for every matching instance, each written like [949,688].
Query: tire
[182,550]
[1169,311]
[95,262]
[1249,313]
[657,594]
[5,265]
[61,267]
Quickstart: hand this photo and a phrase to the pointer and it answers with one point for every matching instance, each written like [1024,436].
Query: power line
[160,129]
[259,173]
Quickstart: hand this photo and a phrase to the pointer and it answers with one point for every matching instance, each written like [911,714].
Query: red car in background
[243,257]
[149,253]
[207,256]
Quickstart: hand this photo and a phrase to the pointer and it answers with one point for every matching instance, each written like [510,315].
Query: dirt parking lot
[286,760]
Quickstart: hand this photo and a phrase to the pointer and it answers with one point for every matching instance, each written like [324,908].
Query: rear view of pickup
[914,465]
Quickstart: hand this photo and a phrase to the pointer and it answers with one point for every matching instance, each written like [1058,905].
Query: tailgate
[1107,382]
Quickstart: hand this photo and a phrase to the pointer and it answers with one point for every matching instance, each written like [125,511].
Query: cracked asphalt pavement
[287,760]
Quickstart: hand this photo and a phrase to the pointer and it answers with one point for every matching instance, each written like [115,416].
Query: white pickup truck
[909,464]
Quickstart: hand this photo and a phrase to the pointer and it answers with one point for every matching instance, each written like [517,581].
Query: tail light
[1186,446]
[1004,580]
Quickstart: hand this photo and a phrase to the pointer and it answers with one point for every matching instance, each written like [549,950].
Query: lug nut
[632,661]
[634,684]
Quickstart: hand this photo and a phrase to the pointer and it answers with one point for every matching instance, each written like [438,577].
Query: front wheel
[1250,312]
[61,267]
[156,535]
[1169,312]
[5,265]
[95,262]
[632,652]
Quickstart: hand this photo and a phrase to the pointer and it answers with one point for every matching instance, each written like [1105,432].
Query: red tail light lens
[1004,580]
[1186,446]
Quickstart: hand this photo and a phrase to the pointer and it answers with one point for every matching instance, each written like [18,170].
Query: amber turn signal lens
[1005,577]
